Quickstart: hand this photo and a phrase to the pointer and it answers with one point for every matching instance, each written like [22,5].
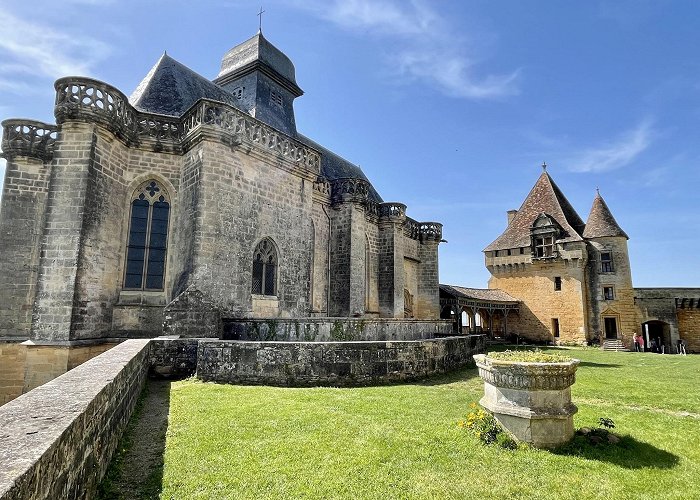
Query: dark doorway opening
[657,336]
[610,328]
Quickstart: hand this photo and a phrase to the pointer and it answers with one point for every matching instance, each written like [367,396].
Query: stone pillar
[28,147]
[391,270]
[61,243]
[347,280]
[428,298]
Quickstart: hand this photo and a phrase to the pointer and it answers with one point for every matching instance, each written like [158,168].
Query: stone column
[428,299]
[347,279]
[28,147]
[61,243]
[391,271]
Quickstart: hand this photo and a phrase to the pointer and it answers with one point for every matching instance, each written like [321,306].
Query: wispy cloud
[426,46]
[32,49]
[615,154]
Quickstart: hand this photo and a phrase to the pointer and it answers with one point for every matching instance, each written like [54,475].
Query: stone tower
[611,310]
[541,259]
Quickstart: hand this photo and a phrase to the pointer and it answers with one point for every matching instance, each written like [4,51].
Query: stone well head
[531,400]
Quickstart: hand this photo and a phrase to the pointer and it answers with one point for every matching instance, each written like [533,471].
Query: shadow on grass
[460,375]
[136,469]
[628,453]
[598,365]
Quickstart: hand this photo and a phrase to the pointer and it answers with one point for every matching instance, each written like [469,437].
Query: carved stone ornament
[532,401]
[349,190]
[28,138]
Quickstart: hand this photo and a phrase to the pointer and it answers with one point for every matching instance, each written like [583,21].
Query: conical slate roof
[601,222]
[545,197]
[171,88]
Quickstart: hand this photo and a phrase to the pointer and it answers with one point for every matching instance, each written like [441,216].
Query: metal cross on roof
[260,20]
[544,167]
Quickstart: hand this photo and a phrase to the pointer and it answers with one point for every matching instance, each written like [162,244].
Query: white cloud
[31,48]
[615,154]
[427,47]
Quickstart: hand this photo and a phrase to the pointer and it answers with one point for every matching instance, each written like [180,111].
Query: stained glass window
[148,238]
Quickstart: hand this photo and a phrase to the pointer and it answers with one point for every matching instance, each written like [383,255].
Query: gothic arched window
[148,238]
[265,268]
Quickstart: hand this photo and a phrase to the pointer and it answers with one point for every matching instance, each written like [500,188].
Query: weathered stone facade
[111,215]
[574,280]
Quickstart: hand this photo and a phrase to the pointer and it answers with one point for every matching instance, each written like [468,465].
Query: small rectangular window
[555,327]
[606,263]
[608,293]
[557,283]
[522,250]
[509,251]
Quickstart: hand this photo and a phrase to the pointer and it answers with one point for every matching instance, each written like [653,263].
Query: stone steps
[613,345]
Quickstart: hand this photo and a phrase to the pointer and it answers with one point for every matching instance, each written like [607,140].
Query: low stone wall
[333,329]
[56,441]
[172,357]
[332,363]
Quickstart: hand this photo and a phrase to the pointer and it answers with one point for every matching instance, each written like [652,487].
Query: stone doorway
[610,324]
[660,333]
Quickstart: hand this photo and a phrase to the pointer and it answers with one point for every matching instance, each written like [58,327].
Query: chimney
[511,214]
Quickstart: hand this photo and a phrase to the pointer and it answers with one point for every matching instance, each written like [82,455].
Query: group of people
[655,345]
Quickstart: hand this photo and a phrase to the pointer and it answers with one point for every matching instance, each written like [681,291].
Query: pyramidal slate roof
[335,167]
[489,294]
[258,53]
[171,88]
[545,197]
[601,222]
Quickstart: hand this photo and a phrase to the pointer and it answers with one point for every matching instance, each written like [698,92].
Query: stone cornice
[94,101]
[531,376]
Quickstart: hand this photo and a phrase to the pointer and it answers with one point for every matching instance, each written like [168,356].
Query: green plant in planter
[534,356]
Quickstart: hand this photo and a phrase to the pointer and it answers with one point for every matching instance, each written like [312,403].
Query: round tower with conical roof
[612,316]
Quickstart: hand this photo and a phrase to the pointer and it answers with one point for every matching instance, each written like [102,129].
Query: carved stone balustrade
[349,190]
[412,228]
[392,211]
[431,231]
[94,101]
[322,186]
[28,138]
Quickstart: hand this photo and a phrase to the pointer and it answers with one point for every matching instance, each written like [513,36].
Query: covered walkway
[478,310]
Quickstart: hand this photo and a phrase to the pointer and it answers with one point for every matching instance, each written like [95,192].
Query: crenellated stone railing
[392,210]
[96,101]
[349,189]
[412,228]
[431,231]
[28,138]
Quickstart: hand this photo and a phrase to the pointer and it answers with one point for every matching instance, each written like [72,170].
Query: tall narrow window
[606,262]
[265,268]
[555,327]
[148,238]
[557,283]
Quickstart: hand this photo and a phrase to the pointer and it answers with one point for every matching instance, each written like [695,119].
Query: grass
[403,441]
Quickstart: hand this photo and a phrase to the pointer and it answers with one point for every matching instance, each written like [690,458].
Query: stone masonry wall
[689,328]
[64,451]
[334,363]
[21,226]
[540,302]
[333,329]
[12,357]
[319,296]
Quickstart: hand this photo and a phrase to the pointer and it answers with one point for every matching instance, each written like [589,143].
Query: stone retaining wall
[333,329]
[332,363]
[56,441]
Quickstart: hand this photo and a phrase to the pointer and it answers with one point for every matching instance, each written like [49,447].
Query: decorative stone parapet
[431,231]
[28,138]
[532,401]
[95,101]
[412,228]
[351,190]
[392,211]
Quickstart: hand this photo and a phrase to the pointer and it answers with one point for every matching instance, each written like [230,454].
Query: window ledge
[142,298]
[264,297]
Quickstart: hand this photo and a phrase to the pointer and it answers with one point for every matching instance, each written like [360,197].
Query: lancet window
[148,238]
[265,268]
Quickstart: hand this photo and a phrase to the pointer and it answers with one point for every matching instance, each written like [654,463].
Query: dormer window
[543,234]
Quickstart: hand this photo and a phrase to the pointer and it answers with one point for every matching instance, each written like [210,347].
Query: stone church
[574,280]
[188,205]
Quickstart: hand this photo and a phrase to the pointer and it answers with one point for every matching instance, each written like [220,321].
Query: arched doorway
[657,336]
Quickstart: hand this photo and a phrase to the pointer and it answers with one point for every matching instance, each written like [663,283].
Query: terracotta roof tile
[601,222]
[489,294]
[545,197]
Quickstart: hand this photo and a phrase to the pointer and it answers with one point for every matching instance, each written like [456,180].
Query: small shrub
[486,428]
[534,356]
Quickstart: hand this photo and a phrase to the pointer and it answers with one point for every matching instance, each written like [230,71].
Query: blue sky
[448,106]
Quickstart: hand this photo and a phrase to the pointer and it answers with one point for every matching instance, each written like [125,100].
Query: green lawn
[403,441]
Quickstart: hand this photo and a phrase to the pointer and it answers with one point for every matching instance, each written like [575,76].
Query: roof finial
[544,166]
[260,19]
[597,190]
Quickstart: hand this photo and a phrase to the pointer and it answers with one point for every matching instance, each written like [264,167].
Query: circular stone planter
[532,401]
